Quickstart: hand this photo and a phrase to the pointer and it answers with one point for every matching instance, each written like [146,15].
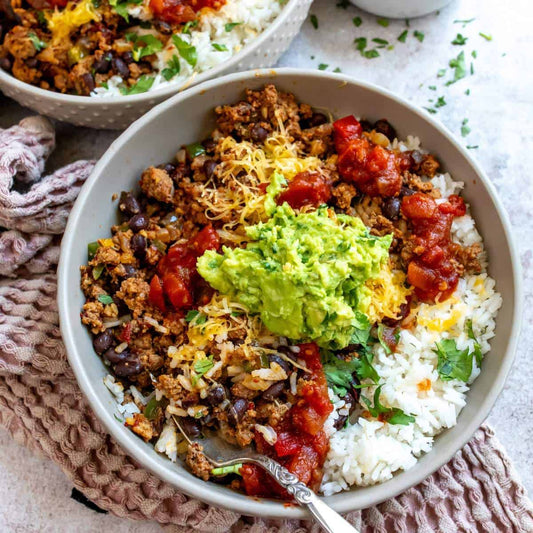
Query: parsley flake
[323,66]
[392,415]
[314,21]
[465,129]
[460,40]
[452,362]
[486,36]
[357,21]
[430,110]
[383,22]
[459,66]
[186,50]
[37,43]
[230,25]
[144,45]
[143,84]
[219,47]
[370,54]
[440,102]
[360,43]
[403,36]
[173,68]
[105,299]
[419,35]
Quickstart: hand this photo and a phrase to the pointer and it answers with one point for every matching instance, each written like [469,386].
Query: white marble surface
[35,496]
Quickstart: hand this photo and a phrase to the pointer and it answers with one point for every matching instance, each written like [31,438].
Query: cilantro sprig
[392,415]
[144,83]
[143,45]
[172,69]
[186,50]
[121,7]
[37,43]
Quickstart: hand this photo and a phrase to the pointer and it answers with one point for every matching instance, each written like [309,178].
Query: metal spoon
[220,454]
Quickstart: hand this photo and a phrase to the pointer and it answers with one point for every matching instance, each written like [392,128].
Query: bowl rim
[163,94]
[369,496]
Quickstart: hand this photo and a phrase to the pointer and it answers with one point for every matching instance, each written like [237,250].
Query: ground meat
[241,391]
[429,166]
[469,258]
[416,183]
[92,315]
[142,426]
[272,413]
[344,193]
[106,256]
[197,462]
[157,184]
[18,43]
[134,293]
[318,141]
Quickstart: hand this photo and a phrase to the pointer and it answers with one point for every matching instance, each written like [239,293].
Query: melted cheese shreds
[63,23]
[387,294]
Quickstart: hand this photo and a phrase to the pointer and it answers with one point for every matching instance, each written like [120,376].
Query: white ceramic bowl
[120,112]
[400,8]
[187,117]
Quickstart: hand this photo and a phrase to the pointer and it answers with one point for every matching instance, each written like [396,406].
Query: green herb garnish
[357,21]
[463,22]
[403,36]
[419,35]
[144,45]
[383,22]
[105,299]
[323,66]
[392,415]
[381,339]
[91,249]
[460,40]
[37,43]
[465,129]
[186,50]
[337,70]
[121,7]
[360,43]
[379,41]
[143,84]
[370,54]
[314,21]
[151,408]
[173,68]
[224,470]
[230,25]
[196,317]
[459,66]
[453,363]
[440,102]
[486,36]
[472,147]
[474,54]
[430,110]
[97,271]
[219,47]
[441,73]
[470,331]
[432,87]
[203,365]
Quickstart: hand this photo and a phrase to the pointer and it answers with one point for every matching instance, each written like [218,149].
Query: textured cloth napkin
[43,408]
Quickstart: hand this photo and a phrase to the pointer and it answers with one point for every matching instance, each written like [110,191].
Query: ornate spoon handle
[330,520]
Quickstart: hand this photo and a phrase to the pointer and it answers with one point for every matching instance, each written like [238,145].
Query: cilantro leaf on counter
[186,50]
[403,36]
[440,102]
[314,21]
[419,35]
[323,66]
[460,40]
[459,66]
[173,68]
[357,21]
[383,22]
[486,36]
[452,362]
[360,43]
[463,22]
[370,54]
[392,415]
[465,129]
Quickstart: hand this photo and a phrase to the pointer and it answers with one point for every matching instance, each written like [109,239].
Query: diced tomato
[306,188]
[156,296]
[125,334]
[172,11]
[206,239]
[287,444]
[455,206]
[345,130]
[418,206]
[177,291]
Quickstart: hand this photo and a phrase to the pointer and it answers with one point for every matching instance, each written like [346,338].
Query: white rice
[253,16]
[368,451]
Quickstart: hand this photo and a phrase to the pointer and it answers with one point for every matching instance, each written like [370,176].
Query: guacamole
[304,273]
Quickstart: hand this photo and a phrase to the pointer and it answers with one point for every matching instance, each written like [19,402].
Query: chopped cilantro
[477,347]
[203,365]
[150,410]
[419,35]
[144,45]
[173,68]
[392,415]
[105,85]
[314,21]
[360,43]
[383,22]
[143,84]
[459,66]
[474,54]
[467,92]
[230,25]
[460,40]
[471,69]
[465,129]
[472,147]
[219,47]
[463,22]
[191,24]
[186,50]
[370,54]
[407,23]
[357,21]
[403,36]
[430,110]
[382,42]
[105,299]
[432,87]
[441,73]
[440,102]
[453,363]
[337,70]
[121,7]
[196,317]
[486,36]
[343,4]
[386,347]
[37,43]
[323,66]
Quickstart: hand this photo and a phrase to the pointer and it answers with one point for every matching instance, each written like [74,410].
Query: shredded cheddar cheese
[63,23]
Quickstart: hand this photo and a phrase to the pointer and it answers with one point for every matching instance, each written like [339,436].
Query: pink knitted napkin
[43,408]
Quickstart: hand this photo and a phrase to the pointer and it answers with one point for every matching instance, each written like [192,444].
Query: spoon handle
[330,520]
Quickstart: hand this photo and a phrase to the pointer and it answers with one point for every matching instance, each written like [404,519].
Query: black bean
[163,27]
[130,271]
[209,168]
[273,391]
[391,208]
[103,64]
[88,80]
[339,423]
[281,362]
[128,204]
[103,341]
[127,57]
[366,125]
[383,126]
[209,145]
[406,191]
[138,246]
[258,133]
[138,222]
[31,62]
[120,67]
[417,157]
[216,395]
[5,63]
[237,410]
[170,169]
[317,120]
[350,399]
[128,368]
[114,357]
[190,426]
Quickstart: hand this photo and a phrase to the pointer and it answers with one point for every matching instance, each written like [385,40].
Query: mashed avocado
[303,273]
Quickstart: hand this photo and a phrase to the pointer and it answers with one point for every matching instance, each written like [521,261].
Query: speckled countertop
[35,496]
